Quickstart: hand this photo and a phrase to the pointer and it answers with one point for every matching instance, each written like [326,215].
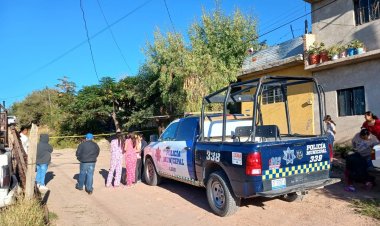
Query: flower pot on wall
[350,51]
[324,56]
[314,59]
[360,50]
[343,54]
[335,57]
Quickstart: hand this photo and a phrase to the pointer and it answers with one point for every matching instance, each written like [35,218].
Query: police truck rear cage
[230,95]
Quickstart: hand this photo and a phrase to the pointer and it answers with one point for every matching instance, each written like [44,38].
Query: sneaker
[89,192]
[78,188]
[43,187]
[369,185]
[350,188]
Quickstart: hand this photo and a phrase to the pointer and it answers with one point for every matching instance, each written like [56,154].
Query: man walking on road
[87,153]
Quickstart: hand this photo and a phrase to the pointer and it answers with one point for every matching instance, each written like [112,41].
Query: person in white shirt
[24,139]
[330,128]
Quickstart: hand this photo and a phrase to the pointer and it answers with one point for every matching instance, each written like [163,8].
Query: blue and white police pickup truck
[237,156]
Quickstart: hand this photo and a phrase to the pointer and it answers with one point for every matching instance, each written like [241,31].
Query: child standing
[117,150]
[131,149]
[330,128]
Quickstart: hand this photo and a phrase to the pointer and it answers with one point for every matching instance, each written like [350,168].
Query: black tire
[150,174]
[219,196]
[291,197]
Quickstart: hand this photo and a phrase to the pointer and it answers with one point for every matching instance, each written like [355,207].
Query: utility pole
[31,168]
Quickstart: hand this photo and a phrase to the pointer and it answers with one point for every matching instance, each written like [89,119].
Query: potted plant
[342,51]
[350,49]
[313,54]
[334,52]
[324,54]
[358,46]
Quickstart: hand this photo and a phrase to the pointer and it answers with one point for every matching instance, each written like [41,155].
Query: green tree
[38,107]
[217,48]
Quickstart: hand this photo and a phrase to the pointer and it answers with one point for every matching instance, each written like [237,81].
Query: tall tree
[187,72]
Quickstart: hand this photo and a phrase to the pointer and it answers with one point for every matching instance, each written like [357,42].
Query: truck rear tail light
[5,179]
[254,165]
[331,152]
[373,154]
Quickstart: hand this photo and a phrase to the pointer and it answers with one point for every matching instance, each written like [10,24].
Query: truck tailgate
[294,163]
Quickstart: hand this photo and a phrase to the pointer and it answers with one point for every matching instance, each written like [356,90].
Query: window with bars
[366,11]
[351,101]
[272,95]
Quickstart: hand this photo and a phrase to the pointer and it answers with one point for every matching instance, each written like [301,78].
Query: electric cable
[256,37]
[170,18]
[88,39]
[84,41]
[114,38]
[138,8]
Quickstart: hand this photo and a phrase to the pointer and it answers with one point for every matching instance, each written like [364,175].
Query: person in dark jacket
[87,154]
[140,164]
[44,150]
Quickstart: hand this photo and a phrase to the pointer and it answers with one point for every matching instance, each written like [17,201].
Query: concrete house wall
[365,74]
[335,24]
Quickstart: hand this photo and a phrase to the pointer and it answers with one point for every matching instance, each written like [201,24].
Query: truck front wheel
[150,173]
[219,195]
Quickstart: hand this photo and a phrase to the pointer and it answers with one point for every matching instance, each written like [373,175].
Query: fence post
[31,169]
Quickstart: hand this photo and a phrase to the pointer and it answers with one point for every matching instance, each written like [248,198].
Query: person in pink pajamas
[131,152]
[117,151]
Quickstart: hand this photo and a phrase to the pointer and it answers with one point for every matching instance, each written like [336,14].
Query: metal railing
[368,13]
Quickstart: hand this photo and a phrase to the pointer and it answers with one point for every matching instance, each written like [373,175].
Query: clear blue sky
[33,33]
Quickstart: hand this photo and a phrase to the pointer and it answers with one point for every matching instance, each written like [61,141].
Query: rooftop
[285,54]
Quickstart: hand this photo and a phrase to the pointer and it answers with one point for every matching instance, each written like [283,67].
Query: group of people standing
[130,148]
[359,161]
[122,147]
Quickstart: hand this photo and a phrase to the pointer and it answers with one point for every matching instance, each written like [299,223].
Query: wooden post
[31,169]
[19,157]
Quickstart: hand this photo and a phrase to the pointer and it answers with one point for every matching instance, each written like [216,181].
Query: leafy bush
[60,143]
[342,150]
[23,213]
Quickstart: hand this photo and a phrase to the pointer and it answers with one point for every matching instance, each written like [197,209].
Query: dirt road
[174,203]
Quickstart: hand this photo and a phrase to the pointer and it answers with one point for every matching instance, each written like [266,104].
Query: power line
[287,23]
[114,38]
[88,39]
[170,18]
[268,24]
[84,41]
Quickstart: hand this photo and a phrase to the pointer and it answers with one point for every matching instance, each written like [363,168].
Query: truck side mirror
[153,138]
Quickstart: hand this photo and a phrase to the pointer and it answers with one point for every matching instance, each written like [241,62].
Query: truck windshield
[270,108]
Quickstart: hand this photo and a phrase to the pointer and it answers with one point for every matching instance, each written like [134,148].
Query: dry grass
[23,213]
[369,207]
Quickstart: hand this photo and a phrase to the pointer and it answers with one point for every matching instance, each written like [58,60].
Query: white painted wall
[365,74]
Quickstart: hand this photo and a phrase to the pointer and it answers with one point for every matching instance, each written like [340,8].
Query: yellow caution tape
[95,135]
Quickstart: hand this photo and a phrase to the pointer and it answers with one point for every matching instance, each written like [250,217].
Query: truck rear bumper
[300,187]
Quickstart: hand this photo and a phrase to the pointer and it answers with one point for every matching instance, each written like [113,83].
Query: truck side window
[170,132]
[187,129]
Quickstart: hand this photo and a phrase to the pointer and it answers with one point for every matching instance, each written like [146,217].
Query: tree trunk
[116,122]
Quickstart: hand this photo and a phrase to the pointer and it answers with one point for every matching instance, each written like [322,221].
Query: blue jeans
[41,172]
[86,174]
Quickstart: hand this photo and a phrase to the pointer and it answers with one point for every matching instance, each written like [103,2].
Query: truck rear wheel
[150,173]
[219,195]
